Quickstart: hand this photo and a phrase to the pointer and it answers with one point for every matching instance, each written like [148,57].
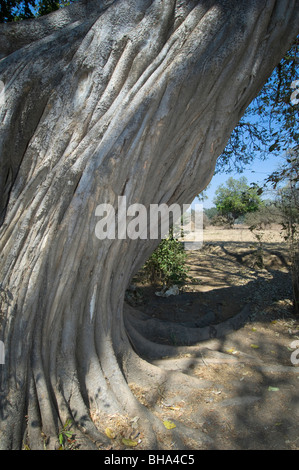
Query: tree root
[147,334]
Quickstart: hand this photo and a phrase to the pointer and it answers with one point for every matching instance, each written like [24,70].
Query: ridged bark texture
[132,98]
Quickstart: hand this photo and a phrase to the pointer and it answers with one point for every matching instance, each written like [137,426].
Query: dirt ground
[244,383]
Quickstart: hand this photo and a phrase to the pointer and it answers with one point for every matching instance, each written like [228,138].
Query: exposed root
[144,329]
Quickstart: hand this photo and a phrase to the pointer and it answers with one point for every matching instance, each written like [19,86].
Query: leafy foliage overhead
[16,10]
[270,124]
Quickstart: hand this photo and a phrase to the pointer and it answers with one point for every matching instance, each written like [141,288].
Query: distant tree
[211,212]
[236,198]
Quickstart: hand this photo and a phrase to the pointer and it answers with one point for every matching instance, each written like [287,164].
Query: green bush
[167,263]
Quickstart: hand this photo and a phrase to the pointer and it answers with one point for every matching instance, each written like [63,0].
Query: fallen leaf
[109,433]
[169,424]
[254,346]
[129,442]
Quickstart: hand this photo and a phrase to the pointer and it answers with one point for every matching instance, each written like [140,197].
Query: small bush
[167,263]
[220,221]
[264,216]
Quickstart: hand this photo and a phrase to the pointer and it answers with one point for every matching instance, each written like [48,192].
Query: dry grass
[241,233]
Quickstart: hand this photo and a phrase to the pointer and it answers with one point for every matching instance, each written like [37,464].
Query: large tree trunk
[132,98]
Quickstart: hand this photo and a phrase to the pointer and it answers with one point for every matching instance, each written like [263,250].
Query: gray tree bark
[106,98]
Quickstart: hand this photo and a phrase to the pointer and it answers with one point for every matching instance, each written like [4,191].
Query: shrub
[220,221]
[167,263]
[264,216]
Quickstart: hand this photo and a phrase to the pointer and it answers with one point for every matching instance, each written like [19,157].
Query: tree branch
[14,36]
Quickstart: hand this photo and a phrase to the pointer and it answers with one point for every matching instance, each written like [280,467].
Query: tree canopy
[236,198]
[270,124]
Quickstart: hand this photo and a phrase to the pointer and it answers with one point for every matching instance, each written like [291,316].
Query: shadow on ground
[244,388]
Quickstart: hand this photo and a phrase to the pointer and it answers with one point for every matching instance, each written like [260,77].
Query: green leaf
[67,423]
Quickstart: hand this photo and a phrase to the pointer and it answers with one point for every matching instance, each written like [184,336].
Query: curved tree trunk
[132,98]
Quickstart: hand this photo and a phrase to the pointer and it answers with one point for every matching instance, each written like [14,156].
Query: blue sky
[256,172]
